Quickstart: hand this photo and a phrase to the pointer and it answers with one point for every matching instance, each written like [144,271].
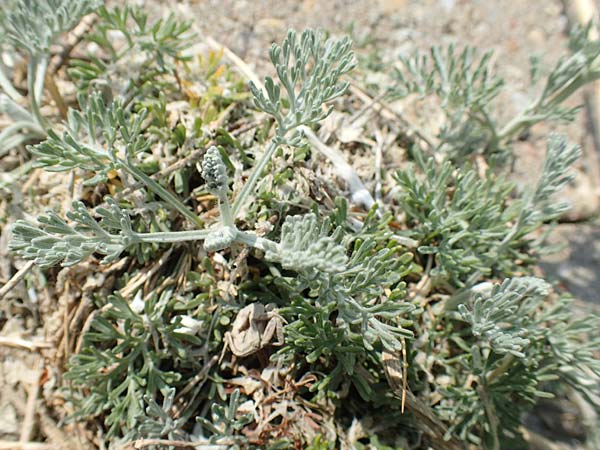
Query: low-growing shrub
[255,303]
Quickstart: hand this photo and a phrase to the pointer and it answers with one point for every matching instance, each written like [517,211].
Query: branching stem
[161,192]
[532,115]
[251,182]
[241,237]
[7,86]
[35,68]
[491,414]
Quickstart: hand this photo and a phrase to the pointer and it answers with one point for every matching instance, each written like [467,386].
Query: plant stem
[251,183]
[32,87]
[255,241]
[529,117]
[15,128]
[40,77]
[7,86]
[522,120]
[225,209]
[491,414]
[505,363]
[161,192]
[241,237]
[568,90]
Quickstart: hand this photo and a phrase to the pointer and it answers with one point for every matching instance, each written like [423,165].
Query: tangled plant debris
[245,301]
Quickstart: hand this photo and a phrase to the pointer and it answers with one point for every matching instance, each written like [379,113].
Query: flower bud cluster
[214,172]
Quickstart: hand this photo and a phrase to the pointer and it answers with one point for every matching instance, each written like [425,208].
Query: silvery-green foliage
[473,226]
[226,424]
[456,217]
[94,138]
[467,87]
[465,84]
[100,138]
[53,240]
[307,246]
[502,318]
[461,81]
[574,342]
[341,290]
[560,156]
[34,24]
[308,70]
[369,271]
[568,74]
[522,344]
[132,360]
[158,422]
[352,312]
[142,50]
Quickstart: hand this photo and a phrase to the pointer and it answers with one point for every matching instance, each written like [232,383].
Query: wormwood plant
[153,48]
[467,87]
[33,27]
[453,365]
[473,227]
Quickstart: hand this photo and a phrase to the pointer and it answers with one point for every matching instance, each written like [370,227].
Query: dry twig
[426,419]
[16,278]
[73,39]
[235,59]
[28,425]
[9,445]
[388,113]
[143,443]
[16,342]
